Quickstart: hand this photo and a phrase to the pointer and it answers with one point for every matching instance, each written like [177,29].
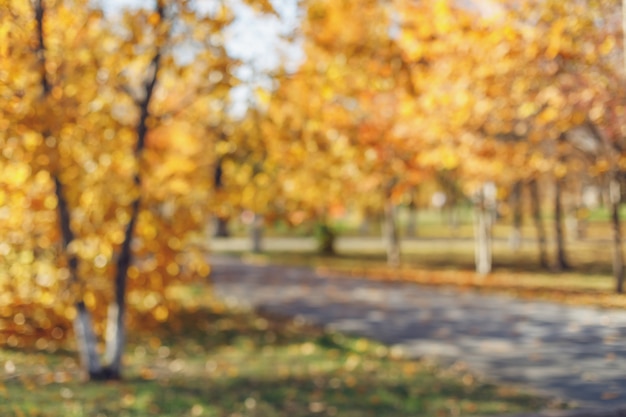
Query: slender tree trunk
[115,332]
[516,203]
[559,218]
[580,215]
[40,12]
[559,232]
[116,329]
[86,338]
[392,239]
[618,254]
[221,227]
[83,327]
[326,238]
[365,226]
[614,195]
[411,224]
[87,342]
[483,222]
[542,244]
[616,198]
[256,233]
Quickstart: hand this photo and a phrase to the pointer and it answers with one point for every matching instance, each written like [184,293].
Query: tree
[124,162]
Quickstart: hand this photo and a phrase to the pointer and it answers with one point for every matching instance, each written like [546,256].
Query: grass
[209,360]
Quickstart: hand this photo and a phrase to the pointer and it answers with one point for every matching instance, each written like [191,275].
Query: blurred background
[137,137]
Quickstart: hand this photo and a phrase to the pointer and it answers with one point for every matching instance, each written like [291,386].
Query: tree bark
[256,233]
[411,224]
[221,227]
[115,334]
[614,196]
[83,327]
[483,222]
[516,203]
[392,239]
[87,342]
[542,244]
[559,232]
[618,254]
[326,238]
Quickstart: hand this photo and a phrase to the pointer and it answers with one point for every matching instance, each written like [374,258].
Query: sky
[253,38]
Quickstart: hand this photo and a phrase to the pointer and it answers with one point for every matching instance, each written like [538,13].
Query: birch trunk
[115,334]
[392,239]
[83,328]
[483,221]
[256,233]
[116,329]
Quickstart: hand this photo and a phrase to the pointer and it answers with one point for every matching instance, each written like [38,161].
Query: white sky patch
[253,38]
[257,40]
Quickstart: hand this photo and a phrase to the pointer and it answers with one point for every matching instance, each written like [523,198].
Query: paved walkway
[573,353]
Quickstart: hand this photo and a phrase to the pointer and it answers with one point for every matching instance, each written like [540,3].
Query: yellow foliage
[69,126]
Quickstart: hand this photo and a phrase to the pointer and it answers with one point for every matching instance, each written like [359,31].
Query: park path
[573,353]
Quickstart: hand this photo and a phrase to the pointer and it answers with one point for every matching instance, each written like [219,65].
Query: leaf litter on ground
[212,360]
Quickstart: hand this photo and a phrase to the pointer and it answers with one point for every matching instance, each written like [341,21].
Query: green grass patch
[209,360]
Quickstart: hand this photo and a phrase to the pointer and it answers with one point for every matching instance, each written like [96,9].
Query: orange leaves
[263,6]
[83,134]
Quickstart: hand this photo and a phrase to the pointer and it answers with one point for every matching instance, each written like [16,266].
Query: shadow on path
[574,353]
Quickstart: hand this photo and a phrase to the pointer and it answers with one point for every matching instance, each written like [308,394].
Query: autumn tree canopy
[113,130]
[108,146]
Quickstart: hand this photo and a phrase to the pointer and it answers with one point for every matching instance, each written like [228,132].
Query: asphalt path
[576,354]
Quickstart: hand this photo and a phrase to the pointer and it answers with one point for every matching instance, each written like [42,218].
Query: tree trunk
[614,193]
[411,224]
[87,342]
[559,232]
[83,328]
[256,233]
[325,237]
[115,336]
[483,222]
[392,239]
[115,331]
[580,215]
[618,254]
[221,227]
[516,203]
[365,225]
[542,244]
